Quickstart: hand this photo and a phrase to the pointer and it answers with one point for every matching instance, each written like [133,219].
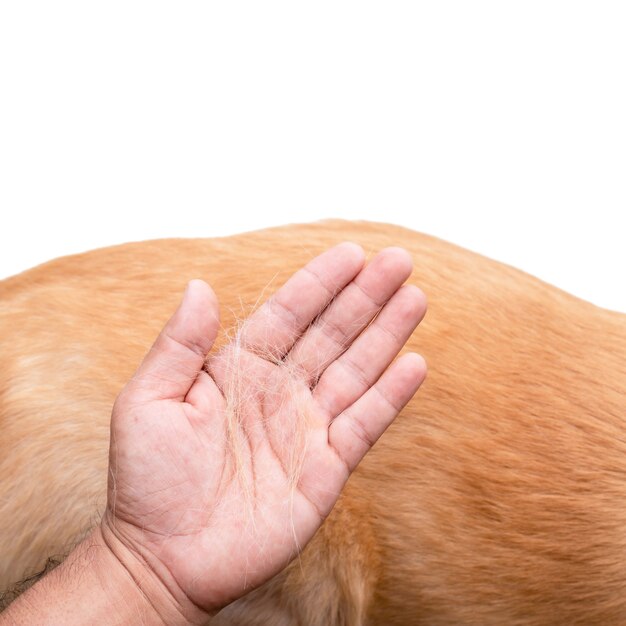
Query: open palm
[222,469]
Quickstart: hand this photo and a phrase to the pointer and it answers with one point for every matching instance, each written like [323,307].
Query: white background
[498,125]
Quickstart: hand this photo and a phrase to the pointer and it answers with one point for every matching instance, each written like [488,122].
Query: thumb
[170,368]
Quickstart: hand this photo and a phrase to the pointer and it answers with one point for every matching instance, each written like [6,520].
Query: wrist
[100,582]
[158,590]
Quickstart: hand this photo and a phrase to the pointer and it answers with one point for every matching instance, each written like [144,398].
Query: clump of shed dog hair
[267,402]
[267,397]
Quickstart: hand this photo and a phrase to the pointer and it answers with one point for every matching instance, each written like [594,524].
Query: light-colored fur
[497,497]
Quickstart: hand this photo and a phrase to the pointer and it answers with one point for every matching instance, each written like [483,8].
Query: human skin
[194,519]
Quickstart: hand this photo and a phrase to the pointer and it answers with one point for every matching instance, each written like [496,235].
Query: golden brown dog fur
[497,497]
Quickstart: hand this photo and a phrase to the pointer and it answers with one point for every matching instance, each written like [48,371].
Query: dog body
[498,496]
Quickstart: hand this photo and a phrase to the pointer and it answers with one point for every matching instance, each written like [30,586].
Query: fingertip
[199,286]
[419,294]
[197,283]
[398,260]
[198,292]
[196,322]
[415,300]
[353,250]
[400,253]
[415,365]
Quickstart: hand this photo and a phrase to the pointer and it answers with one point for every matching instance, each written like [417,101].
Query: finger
[357,369]
[356,430]
[273,329]
[352,310]
[170,368]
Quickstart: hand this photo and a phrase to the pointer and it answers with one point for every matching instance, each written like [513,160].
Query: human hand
[221,470]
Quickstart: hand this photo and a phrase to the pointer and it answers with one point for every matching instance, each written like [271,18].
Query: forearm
[93,586]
